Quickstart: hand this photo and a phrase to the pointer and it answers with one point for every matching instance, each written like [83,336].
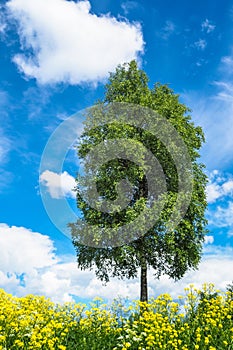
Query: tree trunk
[144,288]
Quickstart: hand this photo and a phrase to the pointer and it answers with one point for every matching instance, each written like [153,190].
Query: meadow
[202,319]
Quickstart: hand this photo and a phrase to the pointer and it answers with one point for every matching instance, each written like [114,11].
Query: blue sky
[55,56]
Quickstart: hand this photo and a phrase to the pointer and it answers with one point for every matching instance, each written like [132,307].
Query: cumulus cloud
[214,268]
[213,192]
[23,250]
[24,260]
[228,187]
[220,199]
[219,187]
[69,281]
[58,185]
[35,263]
[28,264]
[63,41]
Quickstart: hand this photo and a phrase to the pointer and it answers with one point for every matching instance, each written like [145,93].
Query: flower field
[202,319]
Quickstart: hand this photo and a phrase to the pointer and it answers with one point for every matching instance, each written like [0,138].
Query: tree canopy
[167,251]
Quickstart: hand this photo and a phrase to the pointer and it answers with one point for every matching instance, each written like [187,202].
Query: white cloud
[68,280]
[5,141]
[167,30]
[209,239]
[219,186]
[226,69]
[220,192]
[217,270]
[207,26]
[228,187]
[35,99]
[23,250]
[200,44]
[227,63]
[225,91]
[128,6]
[6,178]
[215,114]
[2,21]
[5,146]
[58,185]
[213,192]
[2,25]
[222,216]
[31,255]
[64,42]
[3,98]
[25,257]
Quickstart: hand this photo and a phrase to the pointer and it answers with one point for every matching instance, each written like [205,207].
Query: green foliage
[167,252]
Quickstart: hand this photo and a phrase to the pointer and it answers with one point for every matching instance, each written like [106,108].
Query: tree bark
[144,287]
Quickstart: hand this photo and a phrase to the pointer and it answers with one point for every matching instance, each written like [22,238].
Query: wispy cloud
[220,199]
[63,41]
[167,30]
[227,63]
[225,92]
[214,112]
[6,178]
[226,68]
[128,6]
[34,100]
[2,20]
[207,26]
[6,142]
[5,146]
[5,106]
